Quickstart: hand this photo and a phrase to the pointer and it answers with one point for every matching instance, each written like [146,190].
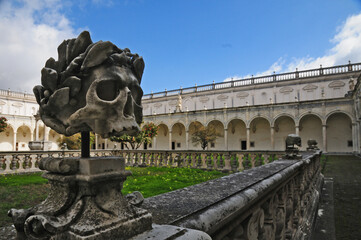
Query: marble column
[324,138]
[354,137]
[248,139]
[46,133]
[106,143]
[155,143]
[187,140]
[297,130]
[14,142]
[37,130]
[96,141]
[226,139]
[170,140]
[272,138]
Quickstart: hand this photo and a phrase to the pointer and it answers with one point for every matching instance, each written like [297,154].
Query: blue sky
[183,42]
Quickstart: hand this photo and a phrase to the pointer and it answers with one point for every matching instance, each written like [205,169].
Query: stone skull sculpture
[92,87]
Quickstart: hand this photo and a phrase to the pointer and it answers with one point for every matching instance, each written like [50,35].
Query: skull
[92,87]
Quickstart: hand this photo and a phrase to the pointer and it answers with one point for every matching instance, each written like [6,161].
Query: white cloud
[31,31]
[347,46]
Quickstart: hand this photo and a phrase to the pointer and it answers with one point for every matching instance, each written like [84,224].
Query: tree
[3,124]
[149,131]
[74,142]
[204,136]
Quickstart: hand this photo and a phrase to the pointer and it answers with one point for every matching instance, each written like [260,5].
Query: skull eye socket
[108,90]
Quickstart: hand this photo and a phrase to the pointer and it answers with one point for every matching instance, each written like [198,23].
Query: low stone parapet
[274,201]
[28,161]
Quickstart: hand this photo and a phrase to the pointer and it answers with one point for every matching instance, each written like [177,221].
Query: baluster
[239,161]
[200,160]
[189,160]
[164,161]
[253,159]
[159,161]
[179,160]
[147,158]
[209,161]
[152,156]
[255,224]
[129,159]
[33,160]
[220,161]
[266,158]
[21,163]
[270,209]
[227,161]
[258,160]
[290,230]
[142,160]
[14,162]
[247,164]
[2,162]
[8,163]
[168,160]
[281,213]
[136,159]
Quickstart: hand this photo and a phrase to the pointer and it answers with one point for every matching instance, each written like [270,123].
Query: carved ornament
[336,84]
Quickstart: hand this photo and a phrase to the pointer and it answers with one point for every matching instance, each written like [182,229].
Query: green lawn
[24,191]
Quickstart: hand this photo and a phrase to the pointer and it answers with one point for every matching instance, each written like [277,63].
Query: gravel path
[346,173]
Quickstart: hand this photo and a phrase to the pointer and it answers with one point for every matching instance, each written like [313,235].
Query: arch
[260,134]
[280,116]
[219,144]
[297,122]
[339,111]
[178,136]
[177,122]
[162,142]
[236,135]
[23,137]
[7,139]
[248,124]
[284,124]
[236,118]
[310,127]
[25,125]
[339,132]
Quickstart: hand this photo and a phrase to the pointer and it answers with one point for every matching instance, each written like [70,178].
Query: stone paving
[345,170]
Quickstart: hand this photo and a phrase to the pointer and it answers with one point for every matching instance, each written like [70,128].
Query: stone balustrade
[21,161]
[274,201]
[267,199]
[261,79]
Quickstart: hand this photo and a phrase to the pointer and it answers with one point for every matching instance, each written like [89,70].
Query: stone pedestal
[85,202]
[40,145]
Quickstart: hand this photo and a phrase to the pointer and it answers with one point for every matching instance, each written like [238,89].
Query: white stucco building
[250,114]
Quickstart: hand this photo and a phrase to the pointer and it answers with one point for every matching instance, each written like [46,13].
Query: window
[251,144]
[213,145]
[178,145]
[243,145]
[349,143]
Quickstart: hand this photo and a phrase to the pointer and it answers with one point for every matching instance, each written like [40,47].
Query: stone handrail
[275,201]
[341,69]
[13,94]
[27,161]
